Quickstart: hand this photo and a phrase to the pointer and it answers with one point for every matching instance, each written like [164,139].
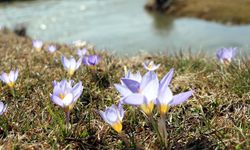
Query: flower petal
[56,100]
[65,62]
[180,98]
[151,90]
[165,96]
[123,90]
[134,99]
[5,78]
[68,99]
[167,78]
[131,84]
[150,75]
[16,74]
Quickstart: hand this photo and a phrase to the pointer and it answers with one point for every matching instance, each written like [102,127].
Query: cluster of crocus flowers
[3,108]
[71,65]
[149,91]
[225,55]
[81,52]
[51,49]
[65,94]
[113,115]
[37,44]
[91,60]
[9,78]
[143,91]
[150,65]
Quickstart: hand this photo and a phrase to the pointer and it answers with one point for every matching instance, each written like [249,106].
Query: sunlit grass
[217,116]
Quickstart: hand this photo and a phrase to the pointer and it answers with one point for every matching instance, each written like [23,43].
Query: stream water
[121,26]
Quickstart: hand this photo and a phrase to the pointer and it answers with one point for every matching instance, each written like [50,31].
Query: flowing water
[120,26]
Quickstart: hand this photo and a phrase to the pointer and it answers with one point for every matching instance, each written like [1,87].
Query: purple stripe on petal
[132,85]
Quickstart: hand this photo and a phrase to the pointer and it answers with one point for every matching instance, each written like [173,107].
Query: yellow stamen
[71,72]
[147,108]
[38,49]
[117,126]
[92,67]
[150,65]
[163,109]
[11,84]
[61,95]
[68,108]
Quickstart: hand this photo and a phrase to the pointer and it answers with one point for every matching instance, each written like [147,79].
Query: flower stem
[124,138]
[67,113]
[163,130]
[13,93]
[155,127]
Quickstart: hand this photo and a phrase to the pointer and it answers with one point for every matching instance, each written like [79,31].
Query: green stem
[67,113]
[152,121]
[162,124]
[124,138]
[13,93]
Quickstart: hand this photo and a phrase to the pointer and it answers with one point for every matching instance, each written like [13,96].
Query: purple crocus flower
[37,44]
[149,65]
[165,97]
[91,60]
[225,55]
[3,108]
[142,93]
[133,76]
[51,48]
[70,65]
[10,78]
[81,52]
[65,94]
[113,115]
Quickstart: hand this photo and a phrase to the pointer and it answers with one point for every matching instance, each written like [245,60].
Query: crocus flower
[91,60]
[113,115]
[3,108]
[37,44]
[149,65]
[10,78]
[51,48]
[165,97]
[142,93]
[81,52]
[225,55]
[65,94]
[133,76]
[70,65]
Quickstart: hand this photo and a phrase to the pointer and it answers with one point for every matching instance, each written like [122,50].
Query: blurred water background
[121,26]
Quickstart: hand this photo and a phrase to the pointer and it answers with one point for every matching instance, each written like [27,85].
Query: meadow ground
[226,11]
[217,115]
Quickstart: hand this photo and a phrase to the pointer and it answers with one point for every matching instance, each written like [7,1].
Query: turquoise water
[120,26]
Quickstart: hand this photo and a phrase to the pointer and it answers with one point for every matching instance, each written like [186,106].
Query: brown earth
[226,11]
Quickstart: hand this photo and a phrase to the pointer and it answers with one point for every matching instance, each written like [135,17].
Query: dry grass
[217,116]
[232,11]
